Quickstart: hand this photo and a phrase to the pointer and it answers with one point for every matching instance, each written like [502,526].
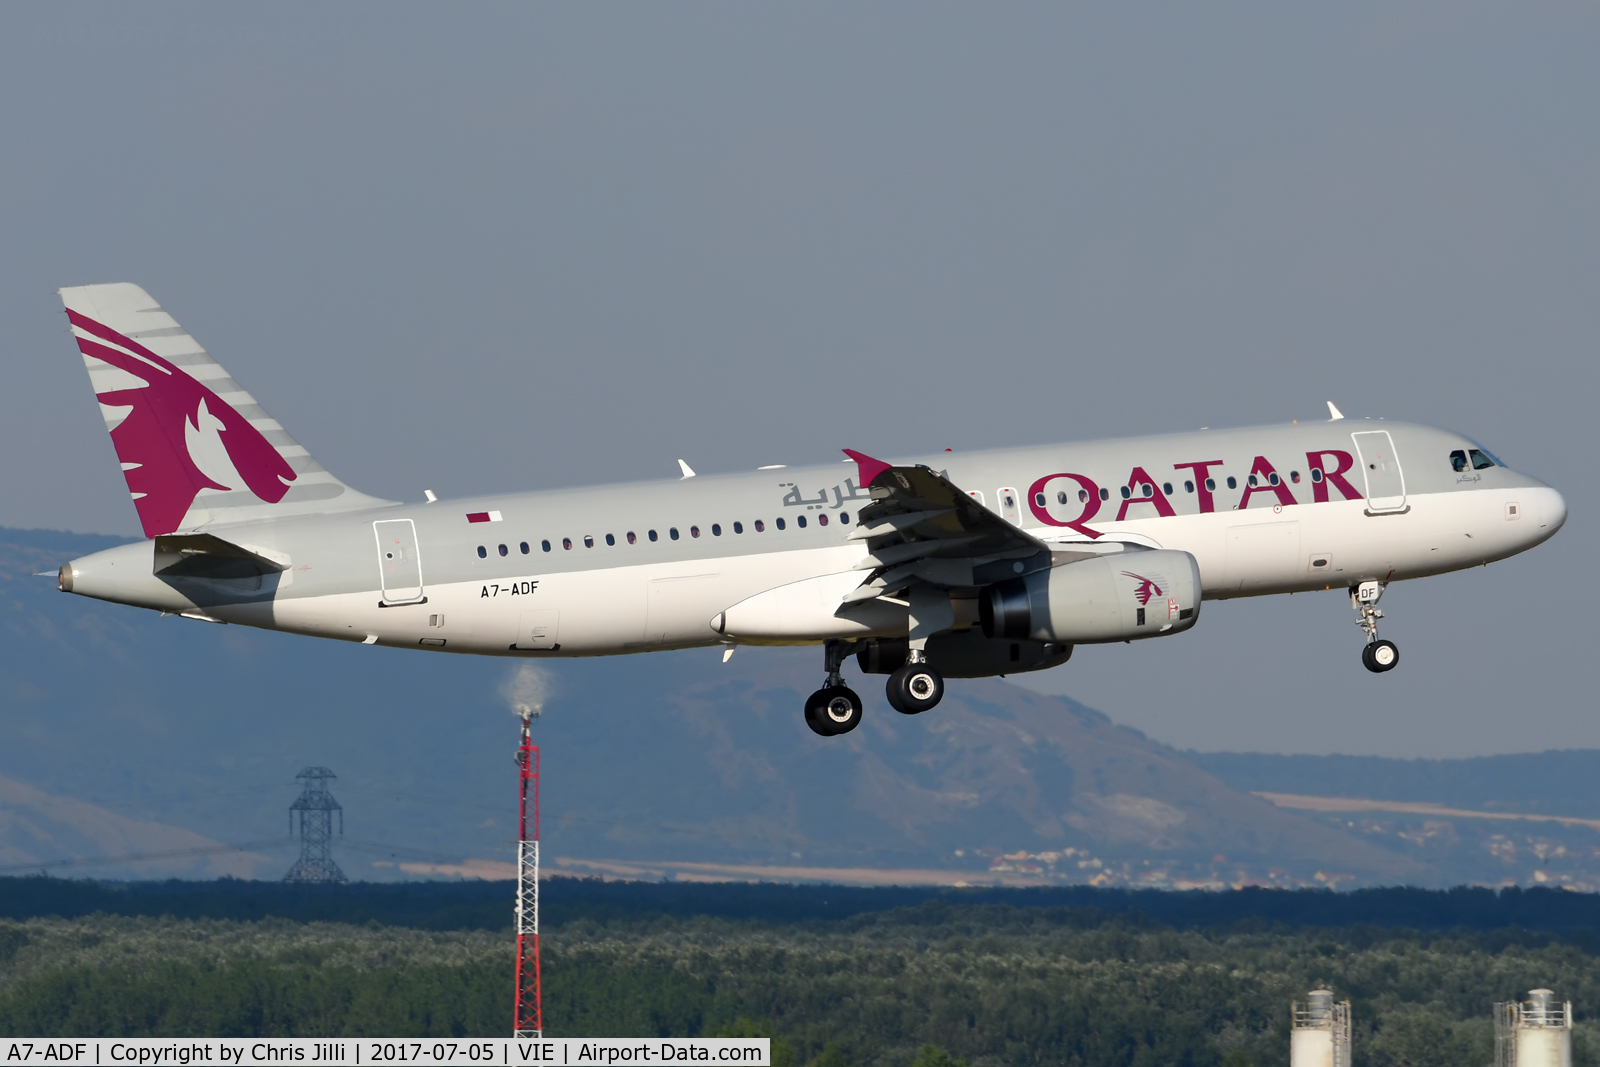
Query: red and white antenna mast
[529,1021]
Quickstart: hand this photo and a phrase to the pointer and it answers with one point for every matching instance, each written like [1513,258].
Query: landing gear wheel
[1380,656]
[914,688]
[835,709]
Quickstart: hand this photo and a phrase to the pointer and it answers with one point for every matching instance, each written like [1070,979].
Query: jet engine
[1118,597]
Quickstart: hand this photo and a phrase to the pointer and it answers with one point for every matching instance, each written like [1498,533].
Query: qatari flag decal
[483,516]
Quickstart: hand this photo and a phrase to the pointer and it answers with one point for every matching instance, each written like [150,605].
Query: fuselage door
[1010,506]
[1386,485]
[399,562]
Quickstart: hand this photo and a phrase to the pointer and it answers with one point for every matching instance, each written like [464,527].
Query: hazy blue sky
[485,247]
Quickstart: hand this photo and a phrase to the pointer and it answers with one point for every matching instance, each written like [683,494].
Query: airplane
[951,565]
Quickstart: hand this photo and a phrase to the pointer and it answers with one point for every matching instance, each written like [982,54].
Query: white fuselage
[654,565]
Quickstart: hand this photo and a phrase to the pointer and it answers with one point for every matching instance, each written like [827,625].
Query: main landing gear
[914,688]
[1378,655]
[836,708]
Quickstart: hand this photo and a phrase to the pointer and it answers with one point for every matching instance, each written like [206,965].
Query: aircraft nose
[1552,510]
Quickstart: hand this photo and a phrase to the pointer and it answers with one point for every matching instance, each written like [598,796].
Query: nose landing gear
[1378,655]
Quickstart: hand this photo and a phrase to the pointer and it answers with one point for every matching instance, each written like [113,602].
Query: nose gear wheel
[1378,655]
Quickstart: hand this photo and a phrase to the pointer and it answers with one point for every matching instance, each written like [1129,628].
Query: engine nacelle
[1120,597]
[965,654]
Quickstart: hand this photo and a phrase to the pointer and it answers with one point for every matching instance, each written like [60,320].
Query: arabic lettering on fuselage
[794,498]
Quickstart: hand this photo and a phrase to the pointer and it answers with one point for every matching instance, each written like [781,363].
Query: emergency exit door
[399,563]
[1386,483]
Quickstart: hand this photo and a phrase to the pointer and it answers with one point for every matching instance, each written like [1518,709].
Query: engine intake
[1121,597]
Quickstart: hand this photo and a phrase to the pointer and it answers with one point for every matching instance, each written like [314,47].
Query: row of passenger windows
[1148,489]
[759,526]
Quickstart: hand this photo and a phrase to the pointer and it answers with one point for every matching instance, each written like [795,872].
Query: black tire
[1380,656]
[834,710]
[914,688]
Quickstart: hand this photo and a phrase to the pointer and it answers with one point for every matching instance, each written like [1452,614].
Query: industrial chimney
[1319,1034]
[1534,1033]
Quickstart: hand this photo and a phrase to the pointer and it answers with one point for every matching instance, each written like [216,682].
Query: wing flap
[922,528]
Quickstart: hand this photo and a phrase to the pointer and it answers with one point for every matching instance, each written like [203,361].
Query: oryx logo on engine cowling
[1146,588]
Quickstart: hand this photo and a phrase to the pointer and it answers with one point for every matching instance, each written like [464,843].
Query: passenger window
[1166,487]
[1211,485]
[1458,460]
[1038,499]
[524,547]
[610,539]
[738,527]
[716,529]
[1316,474]
[588,540]
[545,545]
[1480,460]
[651,535]
[1149,490]
[779,521]
[822,520]
[1188,487]
[502,550]
[800,521]
[633,538]
[483,553]
[694,531]
[844,517]
[762,526]
[1126,492]
[1061,497]
[1294,476]
[566,543]
[672,532]
[1083,496]
[1105,494]
[1233,483]
[1273,479]
[1251,480]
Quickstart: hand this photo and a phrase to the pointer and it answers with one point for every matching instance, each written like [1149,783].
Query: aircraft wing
[921,528]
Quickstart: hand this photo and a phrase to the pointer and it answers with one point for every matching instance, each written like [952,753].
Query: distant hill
[667,765]
[1558,782]
[38,829]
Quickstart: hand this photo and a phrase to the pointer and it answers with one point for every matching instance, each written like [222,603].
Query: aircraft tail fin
[196,449]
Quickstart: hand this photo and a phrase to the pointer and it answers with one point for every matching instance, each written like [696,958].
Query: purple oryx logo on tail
[169,412]
[1146,588]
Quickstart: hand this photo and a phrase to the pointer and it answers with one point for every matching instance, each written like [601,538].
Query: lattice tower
[316,807]
[529,1020]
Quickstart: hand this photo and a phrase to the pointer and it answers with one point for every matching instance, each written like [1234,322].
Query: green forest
[925,979]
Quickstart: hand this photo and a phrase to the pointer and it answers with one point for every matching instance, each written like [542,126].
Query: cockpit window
[1481,459]
[1480,451]
[1458,460]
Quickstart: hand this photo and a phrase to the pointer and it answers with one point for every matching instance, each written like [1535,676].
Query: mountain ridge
[658,758]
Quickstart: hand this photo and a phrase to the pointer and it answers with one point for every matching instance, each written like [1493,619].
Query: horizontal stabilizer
[209,556]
